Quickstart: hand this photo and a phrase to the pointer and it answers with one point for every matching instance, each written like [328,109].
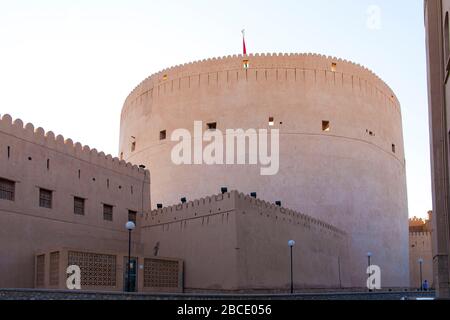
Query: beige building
[55,194]
[420,251]
[438,63]
[340,138]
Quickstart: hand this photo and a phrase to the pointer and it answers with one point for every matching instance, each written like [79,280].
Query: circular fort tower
[340,135]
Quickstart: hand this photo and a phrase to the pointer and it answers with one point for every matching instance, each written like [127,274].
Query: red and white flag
[243,42]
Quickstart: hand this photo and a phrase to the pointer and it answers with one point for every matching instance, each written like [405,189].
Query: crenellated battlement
[298,62]
[420,234]
[225,203]
[58,143]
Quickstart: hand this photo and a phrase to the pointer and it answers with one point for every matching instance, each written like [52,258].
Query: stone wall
[232,242]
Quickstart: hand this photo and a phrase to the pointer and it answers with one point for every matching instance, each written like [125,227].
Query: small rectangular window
[271,121]
[212,126]
[78,206]
[132,216]
[326,126]
[133,146]
[163,135]
[393,148]
[48,164]
[9,152]
[334,67]
[45,198]
[7,189]
[107,212]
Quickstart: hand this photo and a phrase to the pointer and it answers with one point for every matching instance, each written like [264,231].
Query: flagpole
[244,52]
[243,41]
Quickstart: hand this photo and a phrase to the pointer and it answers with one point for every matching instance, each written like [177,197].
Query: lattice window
[97,270]
[7,189]
[45,198]
[161,273]
[54,269]
[78,206]
[40,270]
[132,216]
[107,212]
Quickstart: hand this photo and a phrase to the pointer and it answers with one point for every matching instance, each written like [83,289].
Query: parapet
[415,221]
[294,216]
[294,61]
[59,144]
[227,202]
[420,234]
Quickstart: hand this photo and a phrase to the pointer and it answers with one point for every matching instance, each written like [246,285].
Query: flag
[243,42]
[245,62]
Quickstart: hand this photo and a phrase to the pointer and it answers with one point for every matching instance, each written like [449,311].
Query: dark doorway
[133,275]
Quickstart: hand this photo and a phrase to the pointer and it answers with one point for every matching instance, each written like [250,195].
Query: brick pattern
[54,269]
[97,270]
[161,274]
[40,270]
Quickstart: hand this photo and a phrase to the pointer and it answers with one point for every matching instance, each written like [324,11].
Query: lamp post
[291,245]
[420,268]
[130,226]
[369,256]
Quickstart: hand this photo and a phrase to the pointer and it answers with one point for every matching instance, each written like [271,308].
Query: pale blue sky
[68,65]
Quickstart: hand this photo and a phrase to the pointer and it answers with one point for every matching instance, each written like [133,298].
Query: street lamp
[291,244]
[130,227]
[420,268]
[369,256]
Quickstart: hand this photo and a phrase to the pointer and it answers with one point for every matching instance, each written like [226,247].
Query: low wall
[13,294]
[106,271]
[232,242]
